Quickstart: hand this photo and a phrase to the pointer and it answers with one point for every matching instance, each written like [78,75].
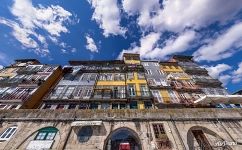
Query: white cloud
[218,72]
[29,19]
[237,74]
[180,44]
[222,47]
[107,15]
[176,15]
[150,48]
[1,66]
[91,44]
[147,44]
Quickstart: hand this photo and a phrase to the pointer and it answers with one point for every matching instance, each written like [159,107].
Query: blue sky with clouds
[55,31]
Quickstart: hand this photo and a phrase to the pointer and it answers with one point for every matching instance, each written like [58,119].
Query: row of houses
[117,105]
[130,83]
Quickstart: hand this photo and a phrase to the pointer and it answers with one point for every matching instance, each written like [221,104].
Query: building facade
[117,105]
[24,83]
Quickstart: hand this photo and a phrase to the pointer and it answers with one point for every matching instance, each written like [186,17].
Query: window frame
[8,133]
[46,132]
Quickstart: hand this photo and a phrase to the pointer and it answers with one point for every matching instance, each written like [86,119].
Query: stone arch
[121,131]
[32,136]
[203,130]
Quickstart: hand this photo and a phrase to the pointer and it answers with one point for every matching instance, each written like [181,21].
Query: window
[114,106]
[87,93]
[148,104]
[61,106]
[160,72]
[228,106]
[158,130]
[133,105]
[92,77]
[85,134]
[105,106]
[77,92]
[131,90]
[84,106]
[173,96]
[47,106]
[2,106]
[118,77]
[141,75]
[84,77]
[157,96]
[68,93]
[94,106]
[151,82]
[148,72]
[156,64]
[130,76]
[8,133]
[72,106]
[144,90]
[46,133]
[109,77]
[58,91]
[122,106]
[237,105]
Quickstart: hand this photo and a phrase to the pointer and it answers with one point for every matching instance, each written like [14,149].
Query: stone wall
[217,124]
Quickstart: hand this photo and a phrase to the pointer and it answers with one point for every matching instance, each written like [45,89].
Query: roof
[26,60]
[130,54]
[182,57]
[239,92]
[100,62]
[168,63]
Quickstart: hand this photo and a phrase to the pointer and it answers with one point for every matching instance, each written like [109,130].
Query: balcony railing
[108,94]
[205,81]
[181,87]
[187,100]
[9,82]
[15,97]
[28,71]
[139,94]
[194,69]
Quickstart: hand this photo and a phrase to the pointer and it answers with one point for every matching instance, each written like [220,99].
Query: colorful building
[24,83]
[116,105]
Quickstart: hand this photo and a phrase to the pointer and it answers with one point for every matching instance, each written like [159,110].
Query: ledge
[185,114]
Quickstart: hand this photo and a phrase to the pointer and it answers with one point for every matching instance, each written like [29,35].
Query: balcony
[194,70]
[9,82]
[204,81]
[139,94]
[134,67]
[14,97]
[181,87]
[28,70]
[107,94]
[187,101]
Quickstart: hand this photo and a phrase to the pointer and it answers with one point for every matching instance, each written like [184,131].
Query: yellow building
[137,89]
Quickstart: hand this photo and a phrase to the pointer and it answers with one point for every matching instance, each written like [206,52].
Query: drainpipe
[67,137]
[178,133]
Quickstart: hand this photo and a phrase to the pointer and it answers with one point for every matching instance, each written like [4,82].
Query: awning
[220,99]
[86,123]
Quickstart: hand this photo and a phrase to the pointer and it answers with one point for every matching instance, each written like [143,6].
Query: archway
[199,137]
[122,139]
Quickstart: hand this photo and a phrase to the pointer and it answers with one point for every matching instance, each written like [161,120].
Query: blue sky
[55,31]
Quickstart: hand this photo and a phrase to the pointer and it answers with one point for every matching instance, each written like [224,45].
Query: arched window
[8,133]
[85,134]
[47,133]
